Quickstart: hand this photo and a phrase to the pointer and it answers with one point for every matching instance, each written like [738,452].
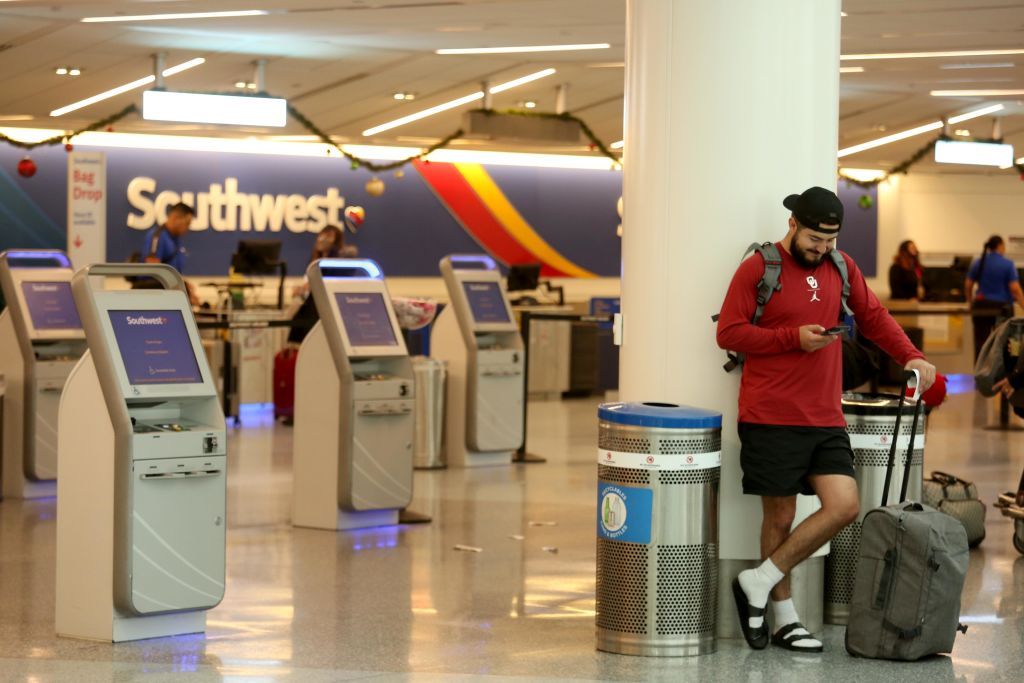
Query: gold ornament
[375,187]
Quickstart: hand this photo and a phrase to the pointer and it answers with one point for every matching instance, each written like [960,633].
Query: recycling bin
[658,473]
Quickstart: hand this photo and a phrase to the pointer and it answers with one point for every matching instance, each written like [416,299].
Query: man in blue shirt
[998,287]
[163,243]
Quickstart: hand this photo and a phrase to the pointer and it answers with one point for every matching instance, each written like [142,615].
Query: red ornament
[27,168]
[110,129]
[592,146]
[69,147]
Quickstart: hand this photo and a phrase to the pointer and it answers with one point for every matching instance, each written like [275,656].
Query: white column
[730,106]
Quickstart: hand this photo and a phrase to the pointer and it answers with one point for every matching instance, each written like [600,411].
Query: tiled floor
[402,604]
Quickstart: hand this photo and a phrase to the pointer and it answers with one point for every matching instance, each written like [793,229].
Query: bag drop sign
[624,513]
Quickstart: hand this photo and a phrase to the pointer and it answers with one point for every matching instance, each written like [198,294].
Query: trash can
[428,441]
[870,419]
[657,529]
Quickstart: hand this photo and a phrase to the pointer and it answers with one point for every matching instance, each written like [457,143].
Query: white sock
[784,614]
[757,583]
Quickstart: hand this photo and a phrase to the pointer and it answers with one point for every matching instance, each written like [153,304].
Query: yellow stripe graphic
[513,221]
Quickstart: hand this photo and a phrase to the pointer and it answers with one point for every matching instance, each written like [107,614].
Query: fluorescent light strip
[522,48]
[851,69]
[864,175]
[445,106]
[989,65]
[508,85]
[975,93]
[619,144]
[180,15]
[74,106]
[934,125]
[927,55]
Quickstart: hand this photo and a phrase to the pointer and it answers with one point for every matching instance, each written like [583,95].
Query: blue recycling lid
[660,415]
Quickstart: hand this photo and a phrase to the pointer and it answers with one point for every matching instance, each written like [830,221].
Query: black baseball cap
[817,208]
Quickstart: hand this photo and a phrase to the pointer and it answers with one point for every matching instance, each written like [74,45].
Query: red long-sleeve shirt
[782,384]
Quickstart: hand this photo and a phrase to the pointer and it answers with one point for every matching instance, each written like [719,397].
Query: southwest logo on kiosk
[143,320]
[613,511]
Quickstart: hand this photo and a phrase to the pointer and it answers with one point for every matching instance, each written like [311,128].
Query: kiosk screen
[486,302]
[50,305]
[366,319]
[155,347]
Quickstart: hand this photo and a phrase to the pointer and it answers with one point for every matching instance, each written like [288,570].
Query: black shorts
[777,460]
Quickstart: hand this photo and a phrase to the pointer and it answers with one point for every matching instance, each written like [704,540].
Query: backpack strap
[769,283]
[771,280]
[840,263]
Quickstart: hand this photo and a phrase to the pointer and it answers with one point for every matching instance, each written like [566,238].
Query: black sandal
[757,638]
[785,638]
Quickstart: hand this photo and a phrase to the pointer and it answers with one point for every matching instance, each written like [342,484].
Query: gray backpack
[991,364]
[771,282]
[910,573]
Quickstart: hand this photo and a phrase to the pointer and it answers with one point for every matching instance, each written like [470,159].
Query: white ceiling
[340,61]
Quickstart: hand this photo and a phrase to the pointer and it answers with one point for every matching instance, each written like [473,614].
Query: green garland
[358,161]
[917,156]
[64,137]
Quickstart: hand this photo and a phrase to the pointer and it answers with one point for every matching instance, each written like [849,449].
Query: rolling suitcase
[910,574]
[284,383]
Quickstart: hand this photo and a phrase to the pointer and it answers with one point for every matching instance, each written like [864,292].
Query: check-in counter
[948,340]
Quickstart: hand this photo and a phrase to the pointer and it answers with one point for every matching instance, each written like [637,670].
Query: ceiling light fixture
[863,175]
[927,55]
[113,92]
[976,93]
[407,96]
[179,15]
[62,71]
[530,104]
[445,106]
[974,153]
[619,144]
[903,135]
[851,69]
[521,48]
[235,110]
[74,72]
[962,132]
[989,65]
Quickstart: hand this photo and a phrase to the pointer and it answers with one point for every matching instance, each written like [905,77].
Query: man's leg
[777,517]
[840,505]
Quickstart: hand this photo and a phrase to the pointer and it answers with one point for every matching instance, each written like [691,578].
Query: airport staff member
[163,243]
[791,426]
[998,287]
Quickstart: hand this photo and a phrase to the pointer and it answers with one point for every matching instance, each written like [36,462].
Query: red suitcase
[284,383]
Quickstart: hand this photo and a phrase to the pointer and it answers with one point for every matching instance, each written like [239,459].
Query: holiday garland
[596,143]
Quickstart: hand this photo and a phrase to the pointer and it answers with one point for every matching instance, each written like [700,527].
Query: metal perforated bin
[657,529]
[870,419]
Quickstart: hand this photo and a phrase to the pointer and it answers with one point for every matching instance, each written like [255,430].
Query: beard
[804,259]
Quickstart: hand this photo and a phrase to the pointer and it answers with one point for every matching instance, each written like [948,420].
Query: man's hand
[927,372]
[812,339]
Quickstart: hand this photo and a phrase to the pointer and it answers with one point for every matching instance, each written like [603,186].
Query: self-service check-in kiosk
[353,403]
[478,337]
[141,480]
[41,339]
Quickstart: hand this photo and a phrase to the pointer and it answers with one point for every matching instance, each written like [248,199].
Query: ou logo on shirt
[812,282]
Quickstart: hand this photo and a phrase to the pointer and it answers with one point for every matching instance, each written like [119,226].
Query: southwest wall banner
[564,219]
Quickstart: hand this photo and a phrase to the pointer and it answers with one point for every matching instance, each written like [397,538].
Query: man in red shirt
[791,427]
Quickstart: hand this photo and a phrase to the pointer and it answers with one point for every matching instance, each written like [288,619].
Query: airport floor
[403,605]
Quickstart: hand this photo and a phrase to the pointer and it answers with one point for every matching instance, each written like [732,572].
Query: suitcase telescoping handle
[911,379]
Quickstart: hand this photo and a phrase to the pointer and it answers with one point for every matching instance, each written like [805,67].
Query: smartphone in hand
[838,329]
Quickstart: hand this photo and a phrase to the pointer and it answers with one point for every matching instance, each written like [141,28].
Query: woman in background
[905,273]
[330,243]
[998,287]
